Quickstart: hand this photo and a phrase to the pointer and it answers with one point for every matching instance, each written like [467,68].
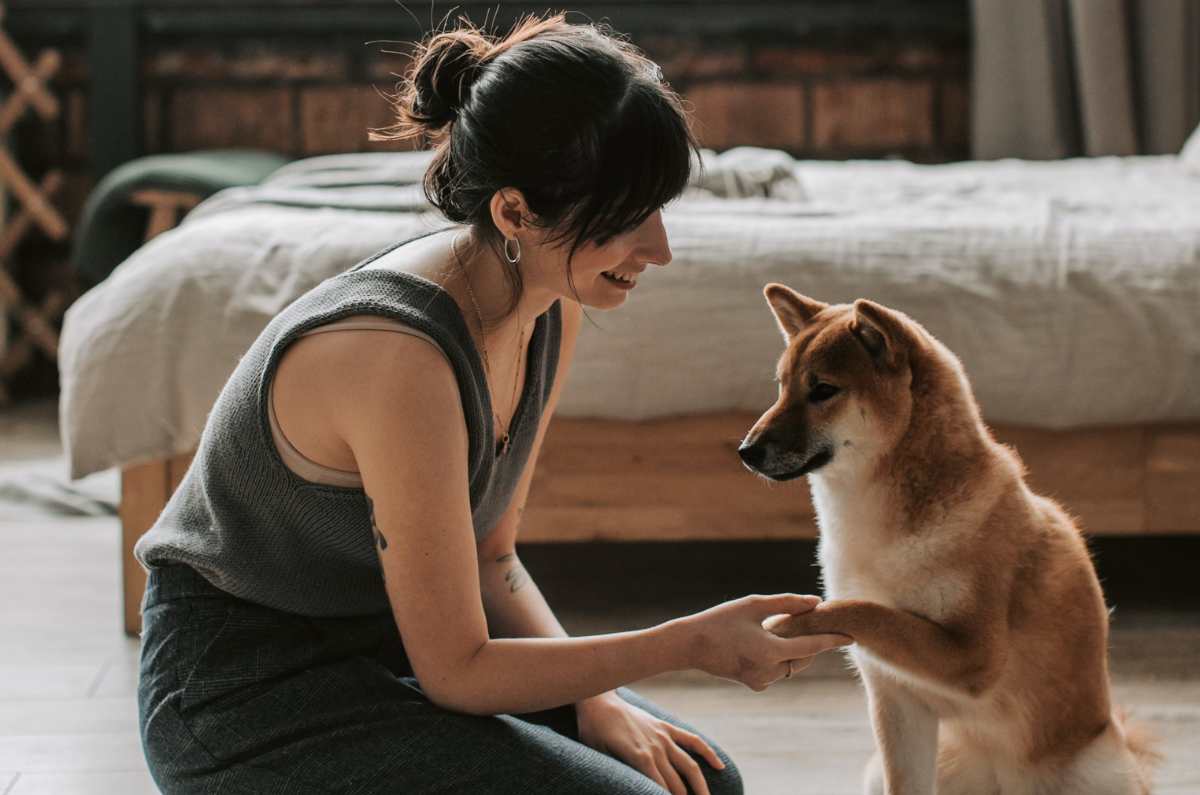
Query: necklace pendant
[502,445]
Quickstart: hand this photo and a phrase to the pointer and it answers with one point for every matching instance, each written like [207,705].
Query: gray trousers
[238,698]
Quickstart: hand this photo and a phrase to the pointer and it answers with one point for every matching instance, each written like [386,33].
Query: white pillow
[747,172]
[1189,155]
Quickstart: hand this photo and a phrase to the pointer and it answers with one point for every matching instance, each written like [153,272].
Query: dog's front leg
[906,734]
[967,660]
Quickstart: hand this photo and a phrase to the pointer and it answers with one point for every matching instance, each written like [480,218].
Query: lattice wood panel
[35,322]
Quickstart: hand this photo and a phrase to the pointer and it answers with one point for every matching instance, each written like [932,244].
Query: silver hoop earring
[513,259]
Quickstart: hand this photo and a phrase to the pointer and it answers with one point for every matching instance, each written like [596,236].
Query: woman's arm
[396,403]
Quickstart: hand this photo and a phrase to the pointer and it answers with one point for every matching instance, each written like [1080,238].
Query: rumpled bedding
[1069,289]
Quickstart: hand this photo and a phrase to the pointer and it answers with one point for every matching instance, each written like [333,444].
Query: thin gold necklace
[502,445]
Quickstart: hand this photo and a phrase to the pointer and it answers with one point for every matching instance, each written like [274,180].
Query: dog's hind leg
[906,733]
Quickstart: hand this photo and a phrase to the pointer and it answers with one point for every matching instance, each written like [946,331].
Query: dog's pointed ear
[792,311]
[881,331]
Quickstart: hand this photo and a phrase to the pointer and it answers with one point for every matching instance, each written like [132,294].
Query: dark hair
[575,118]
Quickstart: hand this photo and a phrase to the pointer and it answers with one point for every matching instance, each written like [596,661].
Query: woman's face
[604,275]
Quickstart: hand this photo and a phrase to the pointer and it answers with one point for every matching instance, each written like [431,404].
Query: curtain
[1062,78]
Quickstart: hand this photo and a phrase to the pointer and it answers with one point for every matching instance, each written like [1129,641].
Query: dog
[979,624]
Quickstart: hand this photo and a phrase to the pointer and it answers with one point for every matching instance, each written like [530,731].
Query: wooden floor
[68,675]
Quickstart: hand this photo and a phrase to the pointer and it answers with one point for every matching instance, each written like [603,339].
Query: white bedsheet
[1070,290]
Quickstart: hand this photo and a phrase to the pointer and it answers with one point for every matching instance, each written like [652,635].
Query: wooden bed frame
[681,479]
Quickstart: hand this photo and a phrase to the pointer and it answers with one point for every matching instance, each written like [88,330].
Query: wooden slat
[1173,480]
[15,229]
[25,89]
[650,523]
[681,478]
[144,492]
[165,208]
[29,81]
[44,213]
[1097,474]
[177,467]
[145,489]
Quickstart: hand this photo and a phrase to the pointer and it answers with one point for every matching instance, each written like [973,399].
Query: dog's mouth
[819,459]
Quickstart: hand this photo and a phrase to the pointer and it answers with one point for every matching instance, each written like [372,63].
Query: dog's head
[844,387]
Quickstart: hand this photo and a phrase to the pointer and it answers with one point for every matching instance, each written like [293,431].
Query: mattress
[1069,289]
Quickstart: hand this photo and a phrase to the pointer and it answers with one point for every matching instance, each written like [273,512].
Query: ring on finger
[790,671]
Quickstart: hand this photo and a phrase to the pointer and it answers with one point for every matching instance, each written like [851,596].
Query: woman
[359,487]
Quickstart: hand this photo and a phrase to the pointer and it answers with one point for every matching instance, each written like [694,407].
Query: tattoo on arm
[380,541]
[516,577]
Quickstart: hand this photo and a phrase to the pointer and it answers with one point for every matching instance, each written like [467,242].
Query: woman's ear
[510,212]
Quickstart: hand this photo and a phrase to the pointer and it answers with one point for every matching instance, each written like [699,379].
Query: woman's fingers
[695,742]
[776,622]
[784,603]
[666,774]
[789,668]
[689,768]
[809,645]
[648,767]
[801,663]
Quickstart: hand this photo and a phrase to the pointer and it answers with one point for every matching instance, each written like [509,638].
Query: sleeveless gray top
[256,529]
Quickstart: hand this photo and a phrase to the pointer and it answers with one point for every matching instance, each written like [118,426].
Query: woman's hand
[652,746]
[731,641]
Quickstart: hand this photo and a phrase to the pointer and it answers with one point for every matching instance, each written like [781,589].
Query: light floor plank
[128,783]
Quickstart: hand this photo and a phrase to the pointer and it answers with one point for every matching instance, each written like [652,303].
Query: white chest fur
[863,556]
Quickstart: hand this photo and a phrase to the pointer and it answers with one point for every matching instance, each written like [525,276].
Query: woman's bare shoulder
[329,386]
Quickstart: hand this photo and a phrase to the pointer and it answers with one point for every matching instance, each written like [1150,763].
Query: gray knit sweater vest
[257,530]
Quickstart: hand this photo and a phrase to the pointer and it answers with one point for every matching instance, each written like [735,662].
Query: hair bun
[443,73]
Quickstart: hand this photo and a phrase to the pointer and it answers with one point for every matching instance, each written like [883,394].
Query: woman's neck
[485,279]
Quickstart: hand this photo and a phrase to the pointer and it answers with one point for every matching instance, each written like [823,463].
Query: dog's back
[973,601]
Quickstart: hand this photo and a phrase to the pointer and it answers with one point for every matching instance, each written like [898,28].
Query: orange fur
[973,602]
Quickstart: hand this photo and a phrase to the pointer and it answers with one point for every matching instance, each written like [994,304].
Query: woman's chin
[609,299]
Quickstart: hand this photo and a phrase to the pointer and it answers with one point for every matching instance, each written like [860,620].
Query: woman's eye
[822,392]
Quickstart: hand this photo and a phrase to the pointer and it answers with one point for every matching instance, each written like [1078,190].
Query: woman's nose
[659,248]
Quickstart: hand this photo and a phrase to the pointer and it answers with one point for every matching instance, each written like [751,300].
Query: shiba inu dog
[979,625]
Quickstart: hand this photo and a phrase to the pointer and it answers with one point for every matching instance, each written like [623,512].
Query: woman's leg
[238,698]
[727,781]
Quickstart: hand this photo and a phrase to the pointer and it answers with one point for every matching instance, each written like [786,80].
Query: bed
[1069,289]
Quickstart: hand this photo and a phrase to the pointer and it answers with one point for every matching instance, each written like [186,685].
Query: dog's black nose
[752,455]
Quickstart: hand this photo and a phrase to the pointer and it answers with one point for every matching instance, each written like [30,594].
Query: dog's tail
[1142,743]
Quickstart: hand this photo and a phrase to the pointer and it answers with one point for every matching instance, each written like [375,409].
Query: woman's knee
[727,781]
[724,781]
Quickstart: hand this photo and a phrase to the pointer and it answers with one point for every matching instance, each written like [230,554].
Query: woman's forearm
[515,675]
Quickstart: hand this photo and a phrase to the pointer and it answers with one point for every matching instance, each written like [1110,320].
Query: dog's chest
[862,557]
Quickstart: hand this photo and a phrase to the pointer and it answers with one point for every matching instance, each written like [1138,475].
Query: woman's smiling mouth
[626,281]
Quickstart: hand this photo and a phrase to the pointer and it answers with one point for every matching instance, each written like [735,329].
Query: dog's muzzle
[763,457]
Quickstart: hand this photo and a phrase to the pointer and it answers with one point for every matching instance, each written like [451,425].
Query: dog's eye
[822,392]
